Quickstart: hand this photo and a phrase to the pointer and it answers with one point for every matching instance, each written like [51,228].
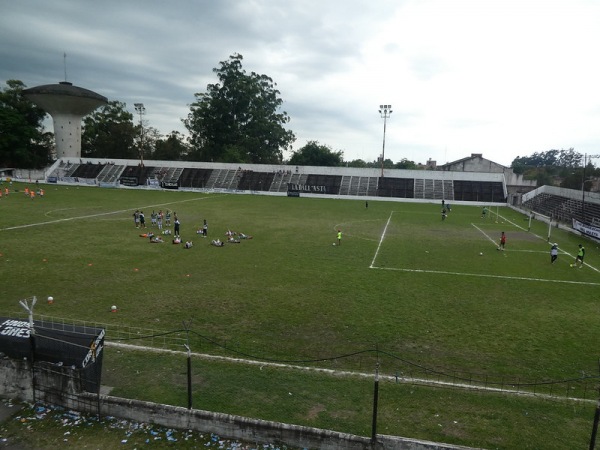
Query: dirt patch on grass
[523,236]
[314,411]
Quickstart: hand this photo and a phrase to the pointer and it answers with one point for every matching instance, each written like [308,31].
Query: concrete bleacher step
[231,179]
[213,179]
[105,173]
[71,170]
[354,186]
[372,186]
[345,184]
[419,188]
[176,175]
[363,185]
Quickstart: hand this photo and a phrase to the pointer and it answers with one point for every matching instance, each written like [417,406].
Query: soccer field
[452,248]
[402,277]
[416,291]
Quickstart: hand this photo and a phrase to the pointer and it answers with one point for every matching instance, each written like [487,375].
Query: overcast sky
[503,78]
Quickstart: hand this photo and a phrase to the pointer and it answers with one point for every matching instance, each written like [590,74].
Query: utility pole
[139,107]
[384,111]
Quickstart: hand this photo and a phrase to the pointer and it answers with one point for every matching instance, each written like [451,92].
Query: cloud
[503,78]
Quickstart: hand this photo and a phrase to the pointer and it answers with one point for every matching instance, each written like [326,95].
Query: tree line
[237,119]
[564,168]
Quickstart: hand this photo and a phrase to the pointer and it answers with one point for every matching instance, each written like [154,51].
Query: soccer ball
[480,253]
[334,244]
[570,265]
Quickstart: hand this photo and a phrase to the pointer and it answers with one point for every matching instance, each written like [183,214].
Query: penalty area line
[484,233]
[484,275]
[381,239]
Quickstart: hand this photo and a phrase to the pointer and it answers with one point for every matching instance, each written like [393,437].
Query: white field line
[91,216]
[342,373]
[484,233]
[515,225]
[505,277]
[484,275]
[381,240]
[545,239]
[511,250]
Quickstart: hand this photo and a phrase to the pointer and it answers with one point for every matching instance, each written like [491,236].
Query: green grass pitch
[436,294]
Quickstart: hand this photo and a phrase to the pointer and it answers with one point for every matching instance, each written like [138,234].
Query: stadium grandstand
[418,185]
[469,180]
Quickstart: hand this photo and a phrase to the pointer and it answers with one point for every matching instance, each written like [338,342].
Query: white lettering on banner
[586,229]
[15,323]
[95,349]
[15,332]
[14,328]
[306,188]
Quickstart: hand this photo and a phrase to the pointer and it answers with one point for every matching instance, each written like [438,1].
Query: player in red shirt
[502,241]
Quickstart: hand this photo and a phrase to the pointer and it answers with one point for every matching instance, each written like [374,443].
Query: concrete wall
[15,379]
[476,163]
[254,430]
[15,383]
[30,175]
[313,170]
[515,184]
[67,134]
[513,179]
[591,197]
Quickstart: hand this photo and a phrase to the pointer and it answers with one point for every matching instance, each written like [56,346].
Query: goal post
[533,215]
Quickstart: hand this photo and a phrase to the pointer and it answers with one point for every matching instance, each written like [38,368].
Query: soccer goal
[533,215]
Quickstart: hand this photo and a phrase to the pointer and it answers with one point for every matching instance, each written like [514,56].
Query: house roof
[468,158]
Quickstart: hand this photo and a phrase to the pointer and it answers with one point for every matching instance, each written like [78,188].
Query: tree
[357,163]
[572,180]
[550,167]
[147,138]
[406,164]
[315,154]
[172,148]
[23,141]
[387,163]
[237,119]
[551,158]
[109,133]
[570,159]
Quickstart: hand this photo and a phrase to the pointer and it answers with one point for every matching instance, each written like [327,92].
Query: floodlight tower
[141,110]
[67,104]
[384,111]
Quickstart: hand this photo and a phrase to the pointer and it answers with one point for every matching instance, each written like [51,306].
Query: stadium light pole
[384,111]
[141,110]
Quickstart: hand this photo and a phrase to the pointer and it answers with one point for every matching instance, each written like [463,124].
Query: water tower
[67,104]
